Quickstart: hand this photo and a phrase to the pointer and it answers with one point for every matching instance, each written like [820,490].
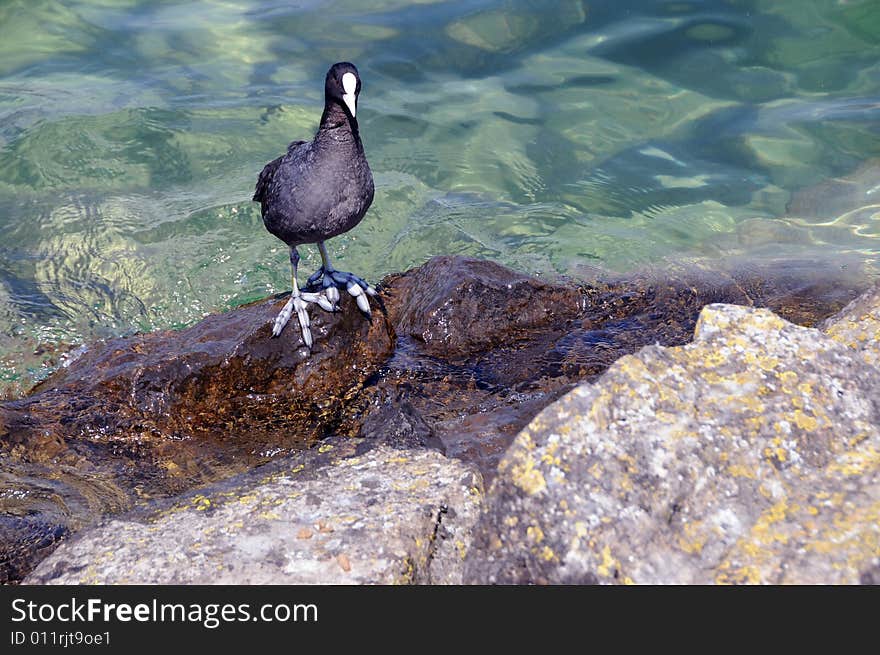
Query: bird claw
[314,277]
[364,305]
[359,295]
[298,304]
[326,304]
[333,279]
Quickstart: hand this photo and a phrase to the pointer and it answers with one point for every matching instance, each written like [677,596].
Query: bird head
[343,84]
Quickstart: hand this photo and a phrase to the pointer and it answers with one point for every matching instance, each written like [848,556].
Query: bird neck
[337,120]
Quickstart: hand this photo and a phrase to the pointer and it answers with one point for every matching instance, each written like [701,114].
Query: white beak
[349,102]
[349,85]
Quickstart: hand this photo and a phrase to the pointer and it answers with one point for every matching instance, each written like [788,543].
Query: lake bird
[318,190]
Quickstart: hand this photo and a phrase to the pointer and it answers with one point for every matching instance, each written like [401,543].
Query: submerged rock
[749,455]
[385,517]
[851,197]
[398,424]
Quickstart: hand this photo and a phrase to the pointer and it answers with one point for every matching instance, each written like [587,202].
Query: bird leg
[297,303]
[331,280]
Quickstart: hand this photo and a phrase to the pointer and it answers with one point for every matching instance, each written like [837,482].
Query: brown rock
[457,306]
[152,415]
[344,562]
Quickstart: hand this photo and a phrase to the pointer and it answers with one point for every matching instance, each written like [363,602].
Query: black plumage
[318,190]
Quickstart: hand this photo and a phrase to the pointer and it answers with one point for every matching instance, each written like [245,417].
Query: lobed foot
[297,303]
[332,280]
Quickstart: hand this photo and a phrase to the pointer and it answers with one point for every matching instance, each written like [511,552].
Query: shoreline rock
[385,517]
[747,456]
[466,355]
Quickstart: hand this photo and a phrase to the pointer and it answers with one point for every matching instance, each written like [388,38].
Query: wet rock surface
[153,415]
[747,456]
[327,516]
[456,308]
[466,354]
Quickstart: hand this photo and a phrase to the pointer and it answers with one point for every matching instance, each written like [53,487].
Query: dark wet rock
[224,375]
[398,424]
[456,306]
[386,517]
[40,507]
[153,415]
[749,455]
[38,538]
[466,355]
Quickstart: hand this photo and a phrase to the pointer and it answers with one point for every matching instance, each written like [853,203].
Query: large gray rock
[858,325]
[747,456]
[388,516]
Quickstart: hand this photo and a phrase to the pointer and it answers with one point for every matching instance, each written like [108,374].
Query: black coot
[318,190]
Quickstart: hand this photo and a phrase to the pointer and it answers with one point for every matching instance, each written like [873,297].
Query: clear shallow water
[543,135]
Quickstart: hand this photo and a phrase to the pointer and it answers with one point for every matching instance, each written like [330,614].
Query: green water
[548,136]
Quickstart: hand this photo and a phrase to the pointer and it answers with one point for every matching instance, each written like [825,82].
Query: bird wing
[265,179]
[268,173]
[293,145]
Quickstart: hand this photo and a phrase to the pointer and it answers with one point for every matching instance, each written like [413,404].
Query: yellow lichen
[748,403]
[741,575]
[527,477]
[804,421]
[740,471]
[856,462]
[714,358]
[608,565]
[692,541]
[535,534]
